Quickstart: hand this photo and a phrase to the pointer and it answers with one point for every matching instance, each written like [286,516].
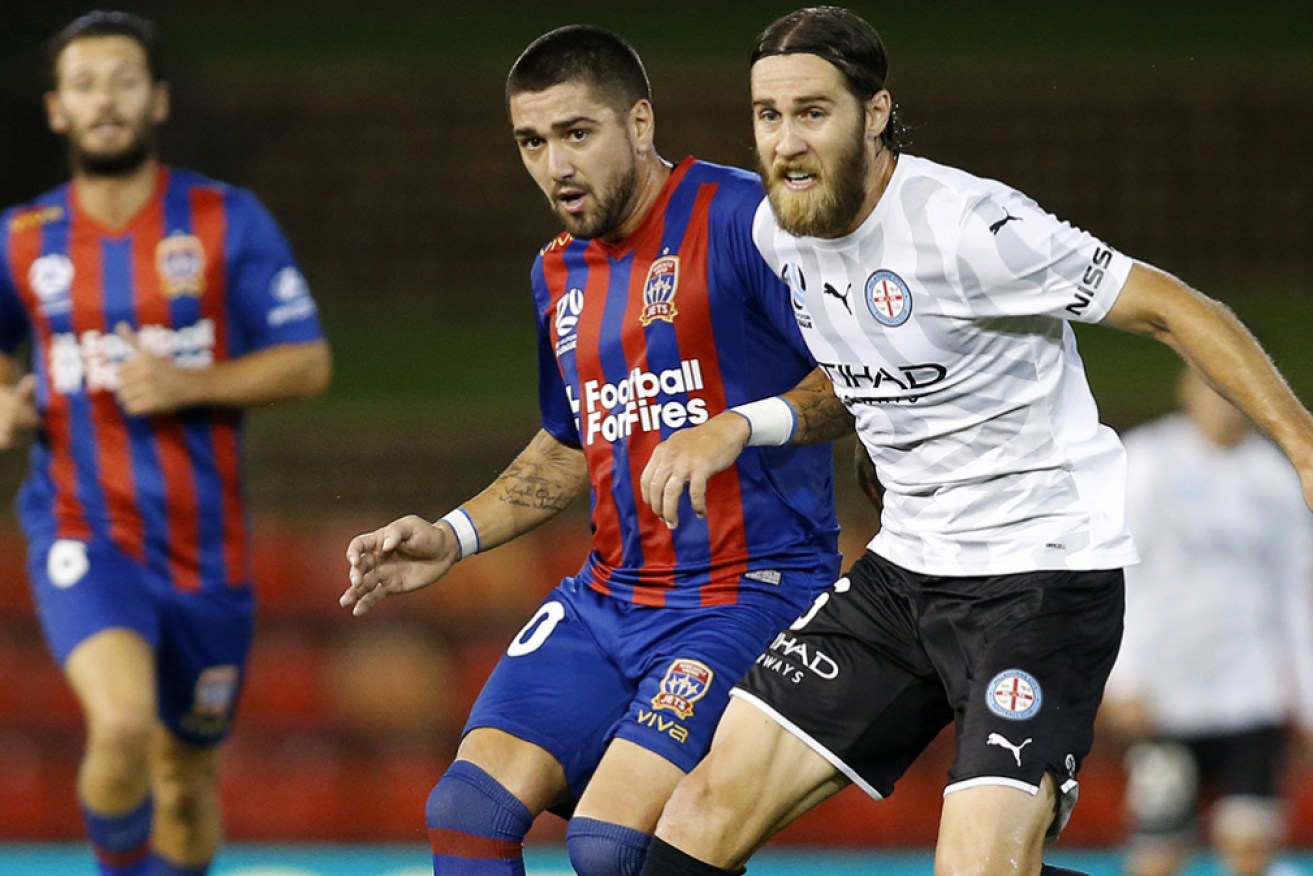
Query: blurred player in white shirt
[1218,650]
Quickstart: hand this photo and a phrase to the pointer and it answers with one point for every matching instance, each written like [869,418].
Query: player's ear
[55,113]
[878,109]
[642,125]
[160,102]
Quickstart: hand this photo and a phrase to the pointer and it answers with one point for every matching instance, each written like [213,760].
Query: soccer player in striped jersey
[655,312]
[939,304]
[157,305]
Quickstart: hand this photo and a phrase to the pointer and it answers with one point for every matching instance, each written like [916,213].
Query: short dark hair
[107,23]
[581,53]
[847,41]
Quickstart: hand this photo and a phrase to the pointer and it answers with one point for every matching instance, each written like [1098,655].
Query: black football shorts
[888,657]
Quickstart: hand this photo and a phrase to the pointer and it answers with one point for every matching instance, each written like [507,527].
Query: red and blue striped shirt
[664,330]
[202,274]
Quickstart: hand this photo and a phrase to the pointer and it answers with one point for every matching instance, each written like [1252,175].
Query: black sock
[1048,870]
[663,859]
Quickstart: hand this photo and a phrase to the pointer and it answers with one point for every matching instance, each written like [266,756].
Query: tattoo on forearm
[530,484]
[821,416]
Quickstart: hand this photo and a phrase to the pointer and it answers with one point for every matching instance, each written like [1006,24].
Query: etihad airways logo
[90,361]
[640,403]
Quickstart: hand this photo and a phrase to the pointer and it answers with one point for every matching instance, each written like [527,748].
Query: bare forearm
[1209,337]
[542,482]
[820,415]
[284,372]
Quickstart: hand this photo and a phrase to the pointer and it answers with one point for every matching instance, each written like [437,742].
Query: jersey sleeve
[557,413]
[762,286]
[273,301]
[13,316]
[1015,259]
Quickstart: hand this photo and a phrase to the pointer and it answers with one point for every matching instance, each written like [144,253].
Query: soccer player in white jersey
[992,596]
[1218,651]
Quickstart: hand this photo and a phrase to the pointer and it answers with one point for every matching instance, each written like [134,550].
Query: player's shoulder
[966,191]
[240,203]
[735,188]
[48,208]
[559,243]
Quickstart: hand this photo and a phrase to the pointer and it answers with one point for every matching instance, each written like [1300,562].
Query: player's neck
[113,201]
[653,171]
[878,175]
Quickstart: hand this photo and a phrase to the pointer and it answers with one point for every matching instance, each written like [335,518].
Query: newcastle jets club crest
[659,291]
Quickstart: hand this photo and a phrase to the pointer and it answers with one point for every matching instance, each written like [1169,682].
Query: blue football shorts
[201,639]
[588,668]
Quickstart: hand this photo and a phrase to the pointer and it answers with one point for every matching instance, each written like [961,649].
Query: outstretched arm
[150,384]
[1210,338]
[412,553]
[691,457]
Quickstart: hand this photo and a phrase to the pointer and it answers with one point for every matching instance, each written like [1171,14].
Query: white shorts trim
[984,781]
[807,740]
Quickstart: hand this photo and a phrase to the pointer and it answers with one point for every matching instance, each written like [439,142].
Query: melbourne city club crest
[180,261]
[888,298]
[1014,695]
[659,290]
[686,682]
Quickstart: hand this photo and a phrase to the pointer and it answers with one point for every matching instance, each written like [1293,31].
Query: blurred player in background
[157,304]
[654,312]
[992,597]
[1218,652]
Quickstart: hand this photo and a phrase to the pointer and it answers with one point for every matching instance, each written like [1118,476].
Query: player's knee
[696,808]
[469,801]
[599,848]
[121,732]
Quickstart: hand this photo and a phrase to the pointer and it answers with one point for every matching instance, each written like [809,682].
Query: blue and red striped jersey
[664,330]
[202,274]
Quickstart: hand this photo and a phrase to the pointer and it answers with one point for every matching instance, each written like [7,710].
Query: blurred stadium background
[1179,131]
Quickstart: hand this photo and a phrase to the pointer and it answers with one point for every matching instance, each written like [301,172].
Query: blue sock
[1048,870]
[163,867]
[476,826]
[599,848]
[121,842]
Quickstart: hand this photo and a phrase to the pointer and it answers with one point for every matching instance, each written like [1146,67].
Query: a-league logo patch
[686,682]
[1014,695]
[888,298]
[797,283]
[659,291]
[180,260]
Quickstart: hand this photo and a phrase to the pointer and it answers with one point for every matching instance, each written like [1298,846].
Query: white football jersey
[942,322]
[1219,615]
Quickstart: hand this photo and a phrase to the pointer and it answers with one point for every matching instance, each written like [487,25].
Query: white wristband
[771,421]
[467,537]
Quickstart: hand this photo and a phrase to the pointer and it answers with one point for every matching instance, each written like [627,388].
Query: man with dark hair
[652,315]
[992,595]
[158,304]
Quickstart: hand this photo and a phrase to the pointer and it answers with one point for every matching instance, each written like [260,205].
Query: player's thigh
[112,673]
[1025,659]
[757,778]
[685,663]
[610,793]
[850,679]
[557,687]
[529,772]
[205,641]
[993,829]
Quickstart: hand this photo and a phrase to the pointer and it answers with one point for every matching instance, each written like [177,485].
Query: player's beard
[611,206]
[829,209]
[122,162]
